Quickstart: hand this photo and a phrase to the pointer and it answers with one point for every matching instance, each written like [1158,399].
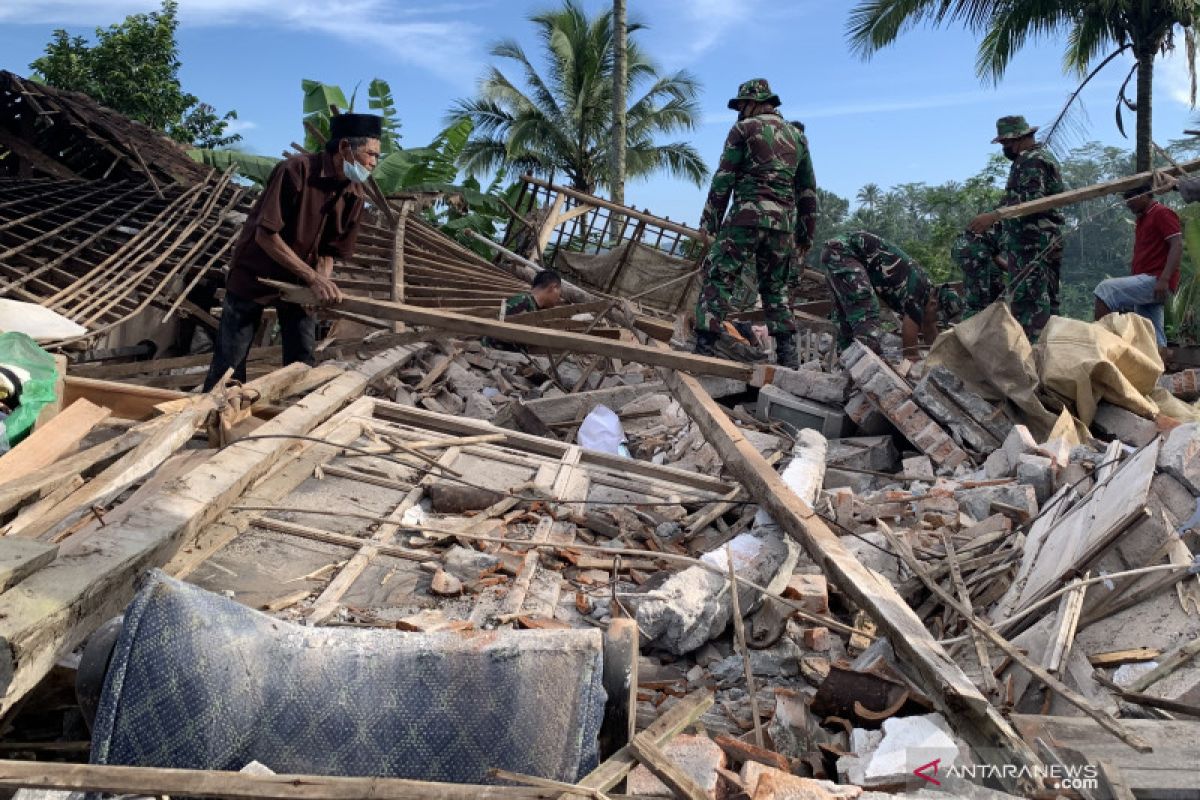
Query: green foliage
[425,168]
[558,120]
[254,168]
[319,101]
[381,101]
[133,68]
[1095,32]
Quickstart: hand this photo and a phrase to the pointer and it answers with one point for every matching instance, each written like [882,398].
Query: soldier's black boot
[785,351]
[704,343]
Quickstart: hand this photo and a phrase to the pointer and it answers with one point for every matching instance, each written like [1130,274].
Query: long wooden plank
[940,677]
[53,440]
[522,334]
[49,613]
[1086,193]
[20,558]
[158,781]
[126,400]
[1171,770]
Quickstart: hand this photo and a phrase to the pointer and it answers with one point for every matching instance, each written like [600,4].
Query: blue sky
[914,113]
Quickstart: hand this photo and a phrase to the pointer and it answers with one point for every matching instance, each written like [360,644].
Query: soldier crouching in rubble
[307,214]
[758,168]
[863,269]
[545,291]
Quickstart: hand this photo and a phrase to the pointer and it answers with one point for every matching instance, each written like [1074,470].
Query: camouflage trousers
[1034,267]
[855,306]
[737,248]
[983,278]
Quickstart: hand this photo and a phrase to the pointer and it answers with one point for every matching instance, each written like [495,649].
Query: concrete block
[889,393]
[1180,456]
[940,512]
[810,591]
[1038,472]
[989,415]
[954,418]
[1018,443]
[479,407]
[876,453]
[977,503]
[1120,423]
[469,565]
[778,785]
[698,756]
[777,405]
[868,419]
[823,387]
[1185,385]
[718,387]
[997,465]
[918,467]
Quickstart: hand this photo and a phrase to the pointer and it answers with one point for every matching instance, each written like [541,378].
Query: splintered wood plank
[1078,537]
[22,557]
[57,437]
[1172,765]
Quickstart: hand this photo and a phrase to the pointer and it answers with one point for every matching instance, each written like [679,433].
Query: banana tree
[1183,310]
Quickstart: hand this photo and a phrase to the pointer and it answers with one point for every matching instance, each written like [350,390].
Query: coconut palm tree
[1097,32]
[560,120]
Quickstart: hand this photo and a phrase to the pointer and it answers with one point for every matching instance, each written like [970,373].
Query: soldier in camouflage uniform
[980,256]
[758,168]
[863,269]
[1033,243]
[806,214]
[545,291]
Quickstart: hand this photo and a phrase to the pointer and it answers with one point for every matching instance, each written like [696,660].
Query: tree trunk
[1145,109]
[620,79]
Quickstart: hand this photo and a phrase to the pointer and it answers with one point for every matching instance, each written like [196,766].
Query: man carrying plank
[1032,243]
[305,216]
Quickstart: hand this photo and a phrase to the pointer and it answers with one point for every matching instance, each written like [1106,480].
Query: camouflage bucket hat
[1012,128]
[949,302]
[757,90]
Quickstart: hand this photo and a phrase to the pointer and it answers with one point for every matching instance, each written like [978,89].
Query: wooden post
[398,259]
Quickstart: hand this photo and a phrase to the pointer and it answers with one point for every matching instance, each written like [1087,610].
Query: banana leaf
[253,168]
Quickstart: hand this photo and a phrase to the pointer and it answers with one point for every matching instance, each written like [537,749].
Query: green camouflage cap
[949,302]
[1012,128]
[756,89]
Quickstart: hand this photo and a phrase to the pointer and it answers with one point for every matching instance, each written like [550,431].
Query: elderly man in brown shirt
[305,217]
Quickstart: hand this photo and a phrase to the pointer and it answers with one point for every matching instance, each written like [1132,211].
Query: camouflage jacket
[806,196]
[759,169]
[1035,173]
[897,279]
[520,304]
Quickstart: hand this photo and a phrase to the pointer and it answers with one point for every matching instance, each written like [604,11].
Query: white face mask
[355,171]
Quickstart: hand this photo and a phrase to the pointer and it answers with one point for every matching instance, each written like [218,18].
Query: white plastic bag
[601,430]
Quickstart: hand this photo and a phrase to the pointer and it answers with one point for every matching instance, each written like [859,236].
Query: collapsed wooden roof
[50,133]
[100,252]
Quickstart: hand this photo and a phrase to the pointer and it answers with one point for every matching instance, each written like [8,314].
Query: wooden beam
[1043,204]
[940,677]
[20,558]
[522,334]
[160,781]
[523,268]
[53,440]
[659,763]
[659,733]
[126,400]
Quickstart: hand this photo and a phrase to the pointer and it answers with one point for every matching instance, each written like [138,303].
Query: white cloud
[1172,77]
[432,37]
[240,126]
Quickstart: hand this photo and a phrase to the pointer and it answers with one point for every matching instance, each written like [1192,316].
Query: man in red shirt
[306,216]
[1157,251]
